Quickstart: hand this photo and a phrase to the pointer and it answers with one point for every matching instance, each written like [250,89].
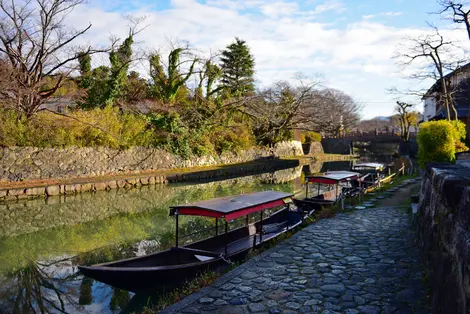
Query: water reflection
[42,242]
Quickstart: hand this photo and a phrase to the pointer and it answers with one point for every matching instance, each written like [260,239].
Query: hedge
[438,141]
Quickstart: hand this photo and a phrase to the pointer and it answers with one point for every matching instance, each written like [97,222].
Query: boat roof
[333,177]
[369,165]
[231,207]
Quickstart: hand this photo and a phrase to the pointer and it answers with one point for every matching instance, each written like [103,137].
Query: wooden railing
[371,134]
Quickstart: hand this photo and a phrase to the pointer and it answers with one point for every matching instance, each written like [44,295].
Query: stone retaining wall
[146,179]
[30,163]
[443,225]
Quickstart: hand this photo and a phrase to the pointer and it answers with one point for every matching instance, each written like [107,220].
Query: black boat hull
[174,266]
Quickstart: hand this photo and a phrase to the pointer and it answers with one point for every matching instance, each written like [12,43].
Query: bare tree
[435,57]
[34,44]
[333,112]
[279,109]
[460,12]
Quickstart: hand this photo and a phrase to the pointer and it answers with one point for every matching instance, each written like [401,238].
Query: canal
[43,241]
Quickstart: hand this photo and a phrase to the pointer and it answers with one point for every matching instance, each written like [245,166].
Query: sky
[348,43]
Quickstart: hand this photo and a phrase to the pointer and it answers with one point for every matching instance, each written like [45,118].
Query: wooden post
[306,188]
[318,192]
[336,193]
[216,226]
[261,227]
[254,241]
[176,233]
[226,238]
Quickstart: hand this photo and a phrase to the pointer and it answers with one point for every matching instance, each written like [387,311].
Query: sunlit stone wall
[30,163]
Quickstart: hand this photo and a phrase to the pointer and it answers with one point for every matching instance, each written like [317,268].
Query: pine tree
[238,68]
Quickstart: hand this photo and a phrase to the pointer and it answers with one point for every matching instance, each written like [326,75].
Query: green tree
[136,89]
[120,60]
[208,77]
[406,119]
[168,79]
[238,68]
[105,85]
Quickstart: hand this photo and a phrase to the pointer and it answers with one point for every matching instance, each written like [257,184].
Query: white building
[458,82]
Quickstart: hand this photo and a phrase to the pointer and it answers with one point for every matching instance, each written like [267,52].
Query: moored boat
[372,177]
[338,185]
[182,262]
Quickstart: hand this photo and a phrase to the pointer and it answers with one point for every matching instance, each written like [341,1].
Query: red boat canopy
[333,177]
[231,207]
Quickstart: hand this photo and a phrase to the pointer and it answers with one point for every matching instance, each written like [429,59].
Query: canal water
[43,241]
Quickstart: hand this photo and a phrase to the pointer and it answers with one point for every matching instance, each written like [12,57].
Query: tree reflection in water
[39,288]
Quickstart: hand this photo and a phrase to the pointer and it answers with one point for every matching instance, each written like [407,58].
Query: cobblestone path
[359,262]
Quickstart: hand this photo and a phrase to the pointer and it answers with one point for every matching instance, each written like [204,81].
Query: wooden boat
[182,262]
[373,177]
[340,184]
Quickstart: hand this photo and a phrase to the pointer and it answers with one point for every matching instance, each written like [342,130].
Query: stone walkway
[359,262]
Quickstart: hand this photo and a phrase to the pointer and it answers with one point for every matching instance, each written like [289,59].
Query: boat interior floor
[247,242]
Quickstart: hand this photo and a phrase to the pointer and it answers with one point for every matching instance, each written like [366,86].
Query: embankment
[29,172]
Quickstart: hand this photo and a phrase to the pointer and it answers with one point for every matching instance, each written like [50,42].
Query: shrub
[439,140]
[99,127]
[310,137]
[232,139]
[13,128]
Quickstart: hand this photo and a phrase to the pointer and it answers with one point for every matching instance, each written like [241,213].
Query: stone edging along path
[79,185]
[358,262]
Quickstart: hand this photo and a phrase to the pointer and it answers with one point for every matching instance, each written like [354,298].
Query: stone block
[86,187]
[152,180]
[62,189]
[35,191]
[16,192]
[53,190]
[144,181]
[112,184]
[100,186]
[121,183]
[3,193]
[69,189]
[131,181]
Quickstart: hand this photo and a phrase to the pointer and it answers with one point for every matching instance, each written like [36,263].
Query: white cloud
[281,8]
[331,5]
[387,14]
[356,58]
[392,13]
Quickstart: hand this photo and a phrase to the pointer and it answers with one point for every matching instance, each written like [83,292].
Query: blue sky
[349,43]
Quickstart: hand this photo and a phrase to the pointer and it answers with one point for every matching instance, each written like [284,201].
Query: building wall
[429,108]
